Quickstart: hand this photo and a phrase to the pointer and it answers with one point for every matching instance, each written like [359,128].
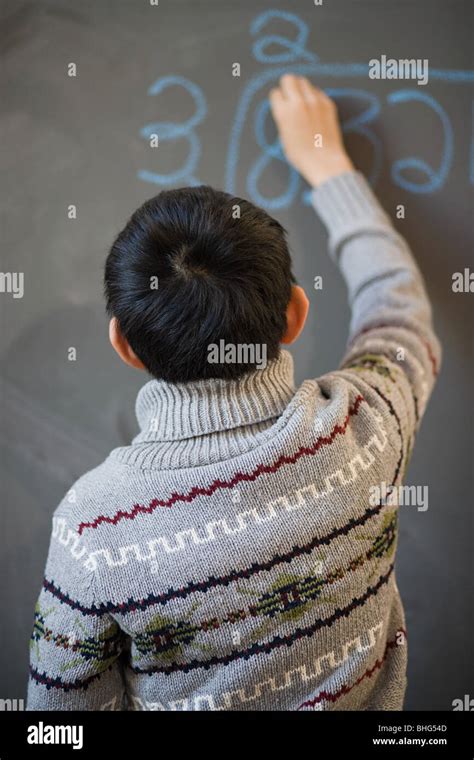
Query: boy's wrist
[319,172]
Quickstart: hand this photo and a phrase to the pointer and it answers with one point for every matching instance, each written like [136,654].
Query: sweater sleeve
[75,645]
[391,344]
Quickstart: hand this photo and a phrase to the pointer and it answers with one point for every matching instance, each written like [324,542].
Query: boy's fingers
[275,94]
[276,99]
[313,93]
[293,88]
[290,86]
[310,93]
[326,98]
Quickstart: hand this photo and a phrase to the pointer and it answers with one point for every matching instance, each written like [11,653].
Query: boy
[233,556]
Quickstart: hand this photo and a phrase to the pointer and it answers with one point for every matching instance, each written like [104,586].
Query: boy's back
[239,554]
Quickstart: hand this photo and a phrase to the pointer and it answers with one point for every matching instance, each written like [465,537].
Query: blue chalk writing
[453,75]
[359,124]
[296,48]
[293,50]
[435,179]
[254,85]
[169,130]
[270,151]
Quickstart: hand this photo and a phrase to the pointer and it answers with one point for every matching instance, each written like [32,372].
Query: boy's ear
[122,346]
[296,313]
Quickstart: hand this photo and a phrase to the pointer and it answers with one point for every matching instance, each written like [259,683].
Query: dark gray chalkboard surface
[84,141]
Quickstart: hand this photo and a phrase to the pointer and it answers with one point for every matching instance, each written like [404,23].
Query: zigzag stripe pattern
[132,605]
[291,596]
[239,477]
[216,530]
[334,696]
[298,676]
[399,428]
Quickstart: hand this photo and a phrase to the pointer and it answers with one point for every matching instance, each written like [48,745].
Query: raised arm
[391,333]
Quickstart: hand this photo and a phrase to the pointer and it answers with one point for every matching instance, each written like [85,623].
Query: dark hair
[219,277]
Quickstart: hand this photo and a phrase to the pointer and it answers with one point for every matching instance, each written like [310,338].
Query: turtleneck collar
[179,411]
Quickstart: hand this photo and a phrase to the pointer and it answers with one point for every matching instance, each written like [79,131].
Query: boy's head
[195,268]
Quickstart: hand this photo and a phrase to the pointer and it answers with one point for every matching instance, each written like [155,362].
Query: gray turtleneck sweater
[239,553]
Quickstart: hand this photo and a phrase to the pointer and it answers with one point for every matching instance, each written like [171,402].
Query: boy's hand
[302,112]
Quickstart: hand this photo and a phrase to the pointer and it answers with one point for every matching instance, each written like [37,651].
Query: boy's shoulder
[90,492]
[323,410]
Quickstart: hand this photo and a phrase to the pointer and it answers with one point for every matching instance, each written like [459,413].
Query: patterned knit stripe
[370,362]
[255,649]
[385,326]
[334,696]
[432,357]
[275,643]
[399,428]
[101,648]
[280,600]
[58,683]
[134,605]
[239,477]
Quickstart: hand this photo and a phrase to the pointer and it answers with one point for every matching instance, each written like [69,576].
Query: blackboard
[84,141]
